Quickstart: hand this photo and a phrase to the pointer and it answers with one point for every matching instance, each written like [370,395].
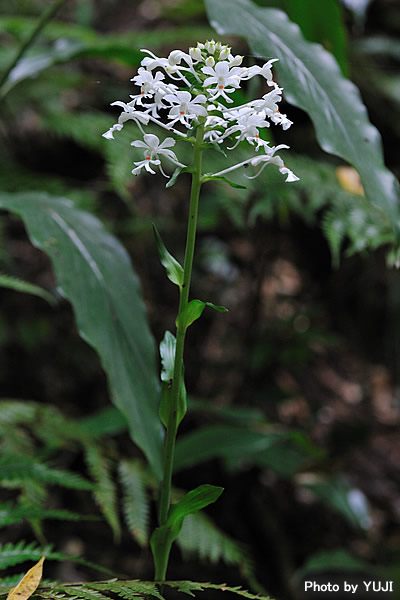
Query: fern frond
[16,411]
[200,537]
[13,554]
[17,469]
[19,285]
[105,492]
[135,500]
[83,592]
[13,514]
[129,590]
[188,587]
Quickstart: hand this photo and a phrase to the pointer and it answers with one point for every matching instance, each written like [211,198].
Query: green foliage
[163,537]
[338,494]
[167,354]
[193,311]
[53,431]
[95,274]
[14,554]
[10,514]
[173,268]
[129,590]
[17,469]
[322,22]
[105,492]
[334,560]
[238,445]
[18,285]
[312,81]
[200,537]
[135,500]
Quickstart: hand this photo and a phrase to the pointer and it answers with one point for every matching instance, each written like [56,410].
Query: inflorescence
[209,75]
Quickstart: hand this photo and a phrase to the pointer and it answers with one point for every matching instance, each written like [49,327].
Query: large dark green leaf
[95,274]
[321,22]
[312,81]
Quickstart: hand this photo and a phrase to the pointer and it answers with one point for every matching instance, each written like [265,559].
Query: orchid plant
[191,96]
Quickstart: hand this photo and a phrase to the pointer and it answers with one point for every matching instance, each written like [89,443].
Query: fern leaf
[82,592]
[18,469]
[19,285]
[105,492]
[188,587]
[135,501]
[16,411]
[13,554]
[129,590]
[13,514]
[200,536]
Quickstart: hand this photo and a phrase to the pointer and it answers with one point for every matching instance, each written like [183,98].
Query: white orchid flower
[185,108]
[148,84]
[152,150]
[209,74]
[265,71]
[226,79]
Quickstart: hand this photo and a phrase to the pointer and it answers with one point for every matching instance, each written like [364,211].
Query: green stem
[44,19]
[172,427]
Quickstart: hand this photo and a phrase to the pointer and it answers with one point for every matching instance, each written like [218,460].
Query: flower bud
[225,51]
[236,61]
[195,53]
[210,62]
[210,46]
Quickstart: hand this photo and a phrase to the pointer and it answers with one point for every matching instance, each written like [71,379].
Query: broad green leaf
[283,451]
[322,22]
[94,272]
[221,441]
[18,285]
[333,560]
[193,310]
[313,82]
[172,266]
[336,493]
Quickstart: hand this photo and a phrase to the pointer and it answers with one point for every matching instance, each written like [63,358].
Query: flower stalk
[165,495]
[210,75]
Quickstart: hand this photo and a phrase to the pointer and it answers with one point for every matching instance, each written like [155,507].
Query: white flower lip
[209,74]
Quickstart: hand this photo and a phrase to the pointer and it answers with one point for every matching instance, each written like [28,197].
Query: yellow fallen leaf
[28,583]
[350,180]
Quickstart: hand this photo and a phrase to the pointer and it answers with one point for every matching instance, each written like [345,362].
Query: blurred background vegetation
[300,380]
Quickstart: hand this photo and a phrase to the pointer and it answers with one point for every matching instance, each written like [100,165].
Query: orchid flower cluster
[205,77]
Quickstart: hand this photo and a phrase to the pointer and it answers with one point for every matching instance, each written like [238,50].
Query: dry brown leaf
[28,583]
[350,180]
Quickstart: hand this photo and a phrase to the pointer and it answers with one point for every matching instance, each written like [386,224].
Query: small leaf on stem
[193,310]
[172,266]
